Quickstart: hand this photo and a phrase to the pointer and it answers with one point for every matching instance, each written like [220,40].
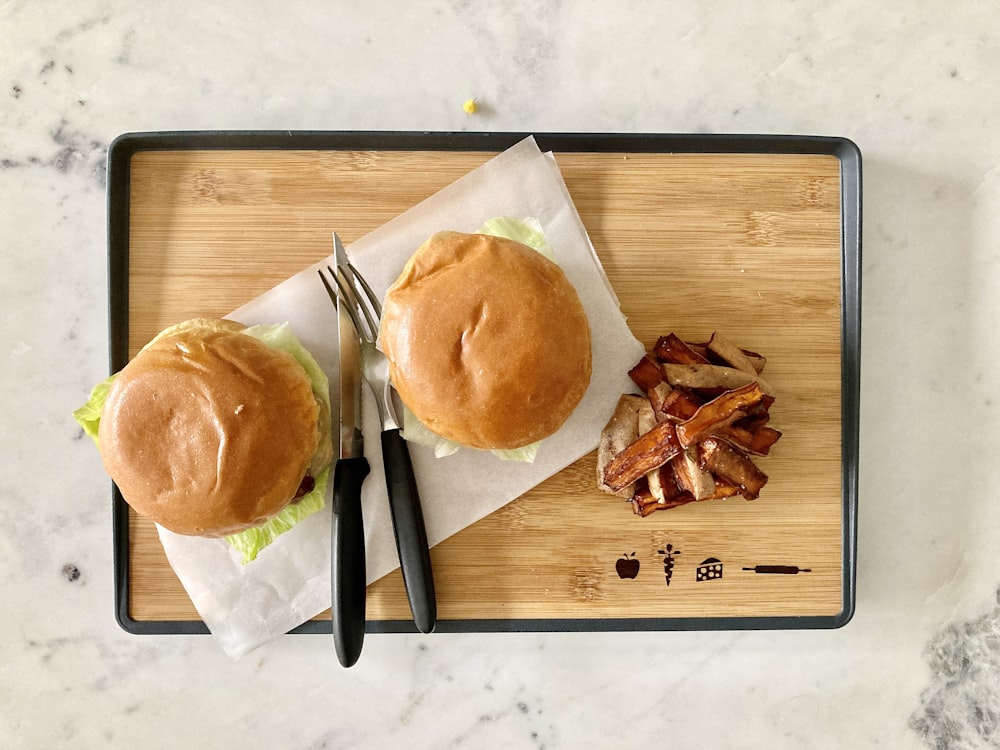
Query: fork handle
[411,535]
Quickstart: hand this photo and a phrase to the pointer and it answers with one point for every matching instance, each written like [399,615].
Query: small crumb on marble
[71,572]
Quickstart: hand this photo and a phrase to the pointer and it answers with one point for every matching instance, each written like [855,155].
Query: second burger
[488,343]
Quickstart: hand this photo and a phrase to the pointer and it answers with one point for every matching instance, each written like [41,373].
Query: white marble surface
[914,85]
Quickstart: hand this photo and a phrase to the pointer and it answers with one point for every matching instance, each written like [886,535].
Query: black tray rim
[126,145]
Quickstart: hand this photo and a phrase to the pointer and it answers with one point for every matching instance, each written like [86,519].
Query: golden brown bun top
[487,341]
[209,431]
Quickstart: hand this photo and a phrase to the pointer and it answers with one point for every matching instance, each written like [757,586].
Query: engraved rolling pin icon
[785,569]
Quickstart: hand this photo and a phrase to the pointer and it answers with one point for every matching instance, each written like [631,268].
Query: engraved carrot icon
[668,561]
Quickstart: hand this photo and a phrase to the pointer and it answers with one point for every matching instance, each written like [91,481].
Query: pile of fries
[691,437]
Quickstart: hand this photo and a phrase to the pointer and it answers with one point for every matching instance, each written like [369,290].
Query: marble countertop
[909,83]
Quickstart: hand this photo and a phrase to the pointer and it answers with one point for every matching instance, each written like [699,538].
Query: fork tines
[360,298]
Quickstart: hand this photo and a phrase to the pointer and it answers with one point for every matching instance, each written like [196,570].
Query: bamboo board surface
[746,244]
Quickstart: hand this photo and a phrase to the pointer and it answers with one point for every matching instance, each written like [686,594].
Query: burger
[487,341]
[218,430]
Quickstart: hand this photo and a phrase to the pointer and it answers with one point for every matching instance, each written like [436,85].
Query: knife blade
[347,559]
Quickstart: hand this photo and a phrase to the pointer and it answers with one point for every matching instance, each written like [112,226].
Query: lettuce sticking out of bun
[218,430]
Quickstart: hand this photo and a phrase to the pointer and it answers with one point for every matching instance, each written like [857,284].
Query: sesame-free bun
[487,341]
[208,431]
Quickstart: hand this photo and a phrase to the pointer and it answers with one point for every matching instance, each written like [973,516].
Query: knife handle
[347,560]
[411,535]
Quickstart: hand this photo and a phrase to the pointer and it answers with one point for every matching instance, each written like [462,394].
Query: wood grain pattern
[741,243]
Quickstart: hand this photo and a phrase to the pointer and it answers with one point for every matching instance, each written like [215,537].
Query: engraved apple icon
[627,566]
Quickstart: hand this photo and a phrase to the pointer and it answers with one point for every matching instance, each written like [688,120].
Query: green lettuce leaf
[249,543]
[527,231]
[281,336]
[526,453]
[417,432]
[88,416]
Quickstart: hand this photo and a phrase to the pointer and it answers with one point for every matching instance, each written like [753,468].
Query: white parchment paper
[289,583]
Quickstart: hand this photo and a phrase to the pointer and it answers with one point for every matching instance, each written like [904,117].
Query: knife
[347,559]
[404,498]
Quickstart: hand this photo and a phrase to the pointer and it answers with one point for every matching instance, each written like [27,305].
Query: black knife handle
[347,560]
[411,536]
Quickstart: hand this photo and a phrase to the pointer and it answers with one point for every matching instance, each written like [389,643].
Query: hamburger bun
[487,341]
[209,431]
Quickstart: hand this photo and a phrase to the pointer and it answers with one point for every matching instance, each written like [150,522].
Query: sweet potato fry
[670,348]
[750,434]
[642,498]
[643,502]
[682,498]
[680,404]
[621,430]
[646,417]
[757,360]
[730,354]
[646,374]
[733,356]
[647,452]
[723,490]
[663,484]
[705,376]
[691,438]
[658,397]
[732,466]
[718,412]
[689,476]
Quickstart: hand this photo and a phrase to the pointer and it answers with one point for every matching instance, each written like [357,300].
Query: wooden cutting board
[755,238]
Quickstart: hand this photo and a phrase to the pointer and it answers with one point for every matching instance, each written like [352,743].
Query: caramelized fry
[643,502]
[706,410]
[648,452]
[642,498]
[646,374]
[663,484]
[750,434]
[670,348]
[690,477]
[718,412]
[723,490]
[680,404]
[732,466]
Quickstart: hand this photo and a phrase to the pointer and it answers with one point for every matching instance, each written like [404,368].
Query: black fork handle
[411,535]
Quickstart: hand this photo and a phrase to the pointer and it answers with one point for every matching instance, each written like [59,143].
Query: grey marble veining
[912,85]
[961,707]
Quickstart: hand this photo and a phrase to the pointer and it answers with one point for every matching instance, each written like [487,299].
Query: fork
[365,312]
